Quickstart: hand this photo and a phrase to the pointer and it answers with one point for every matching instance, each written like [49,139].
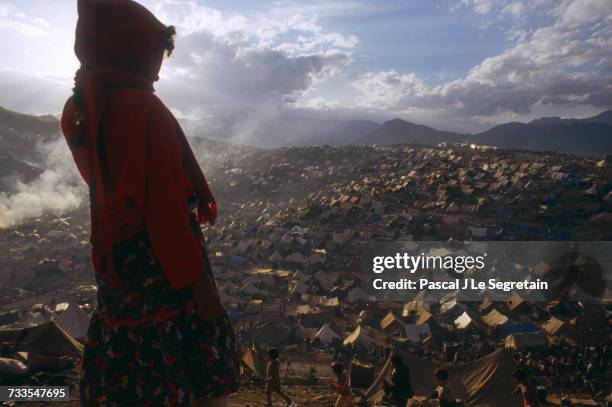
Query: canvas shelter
[300,288]
[74,320]
[254,359]
[517,305]
[416,333]
[485,382]
[466,321]
[357,295]
[392,324]
[359,336]
[527,340]
[494,319]
[254,307]
[270,334]
[326,334]
[556,327]
[47,339]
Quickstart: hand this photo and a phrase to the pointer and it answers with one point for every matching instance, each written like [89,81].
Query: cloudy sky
[244,69]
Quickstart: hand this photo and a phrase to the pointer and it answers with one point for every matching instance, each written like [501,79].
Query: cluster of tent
[49,345]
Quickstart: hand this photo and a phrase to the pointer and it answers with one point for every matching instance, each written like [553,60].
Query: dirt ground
[252,394]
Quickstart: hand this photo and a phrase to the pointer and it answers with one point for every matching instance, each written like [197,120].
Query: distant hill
[590,136]
[19,135]
[46,125]
[19,132]
[345,133]
[397,131]
[602,118]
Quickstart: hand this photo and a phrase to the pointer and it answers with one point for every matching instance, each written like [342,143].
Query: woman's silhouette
[160,335]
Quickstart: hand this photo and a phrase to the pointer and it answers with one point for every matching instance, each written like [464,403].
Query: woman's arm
[166,212]
[206,297]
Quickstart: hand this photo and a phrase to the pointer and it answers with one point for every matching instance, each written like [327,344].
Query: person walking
[273,384]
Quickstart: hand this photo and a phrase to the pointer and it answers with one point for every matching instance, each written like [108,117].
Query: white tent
[298,275]
[464,321]
[74,320]
[451,306]
[520,341]
[299,288]
[276,256]
[356,295]
[249,288]
[360,336]
[326,335]
[416,332]
[296,257]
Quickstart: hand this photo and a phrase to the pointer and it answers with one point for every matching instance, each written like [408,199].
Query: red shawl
[127,145]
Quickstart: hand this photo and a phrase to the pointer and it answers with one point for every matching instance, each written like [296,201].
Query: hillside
[398,131]
[581,138]
[590,136]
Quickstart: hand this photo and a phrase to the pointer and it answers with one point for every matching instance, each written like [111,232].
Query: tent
[415,333]
[254,307]
[557,327]
[299,288]
[359,336]
[417,313]
[486,305]
[451,307]
[305,310]
[254,359]
[45,339]
[250,287]
[523,327]
[356,295]
[74,320]
[391,323]
[326,335]
[270,334]
[485,382]
[466,321]
[520,341]
[517,305]
[495,319]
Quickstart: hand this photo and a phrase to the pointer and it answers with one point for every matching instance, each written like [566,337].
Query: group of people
[567,367]
[398,388]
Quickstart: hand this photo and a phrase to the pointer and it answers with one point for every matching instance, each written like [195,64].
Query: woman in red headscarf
[160,335]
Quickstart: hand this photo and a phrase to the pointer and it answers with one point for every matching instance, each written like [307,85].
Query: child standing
[341,386]
[273,377]
[443,392]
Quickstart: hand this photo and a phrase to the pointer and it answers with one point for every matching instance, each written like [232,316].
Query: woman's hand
[207,301]
[210,211]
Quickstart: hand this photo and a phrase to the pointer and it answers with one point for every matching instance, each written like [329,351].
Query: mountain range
[590,136]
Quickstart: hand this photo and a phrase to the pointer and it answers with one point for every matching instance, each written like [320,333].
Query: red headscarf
[121,45]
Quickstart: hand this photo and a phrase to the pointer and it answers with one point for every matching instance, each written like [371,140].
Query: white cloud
[514,8]
[565,64]
[13,19]
[583,11]
[238,72]
[479,6]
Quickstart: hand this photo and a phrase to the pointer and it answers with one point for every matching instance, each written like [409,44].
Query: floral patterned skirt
[146,347]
